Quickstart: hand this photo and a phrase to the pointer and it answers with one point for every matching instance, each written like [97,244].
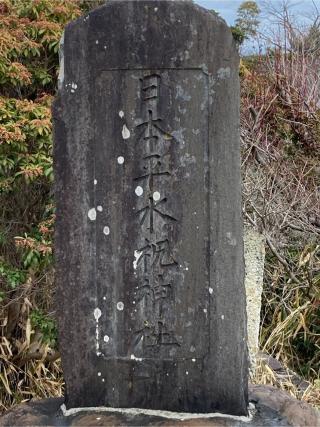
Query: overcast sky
[228,8]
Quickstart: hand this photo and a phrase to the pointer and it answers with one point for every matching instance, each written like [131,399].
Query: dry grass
[286,381]
[35,379]
[280,135]
[29,365]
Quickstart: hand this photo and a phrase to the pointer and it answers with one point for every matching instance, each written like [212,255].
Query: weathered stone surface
[272,408]
[297,413]
[149,250]
[254,253]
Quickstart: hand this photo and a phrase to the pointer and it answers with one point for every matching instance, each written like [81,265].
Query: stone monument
[149,260]
[149,247]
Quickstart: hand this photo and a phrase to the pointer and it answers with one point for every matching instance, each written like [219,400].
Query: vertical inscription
[155,258]
[157,211]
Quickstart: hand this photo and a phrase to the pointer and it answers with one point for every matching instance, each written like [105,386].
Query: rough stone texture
[297,413]
[254,253]
[149,247]
[272,408]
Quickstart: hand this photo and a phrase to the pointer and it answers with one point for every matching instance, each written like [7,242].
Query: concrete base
[270,407]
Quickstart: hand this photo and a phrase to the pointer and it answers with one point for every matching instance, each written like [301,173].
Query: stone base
[272,407]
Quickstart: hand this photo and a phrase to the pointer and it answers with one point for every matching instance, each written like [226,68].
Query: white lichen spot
[98,353]
[125,132]
[106,338]
[120,306]
[133,357]
[222,316]
[97,41]
[106,231]
[156,196]
[120,160]
[210,291]
[224,73]
[203,105]
[99,374]
[121,114]
[182,111]
[74,85]
[231,239]
[99,208]
[205,310]
[182,94]
[192,349]
[92,214]
[156,9]
[104,298]
[139,191]
[137,255]
[98,418]
[97,314]
[187,373]
[103,380]
[104,47]
[95,182]
[193,360]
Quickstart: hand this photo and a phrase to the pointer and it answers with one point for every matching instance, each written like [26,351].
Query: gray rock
[149,248]
[272,407]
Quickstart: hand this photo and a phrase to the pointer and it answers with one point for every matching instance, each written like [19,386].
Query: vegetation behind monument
[280,131]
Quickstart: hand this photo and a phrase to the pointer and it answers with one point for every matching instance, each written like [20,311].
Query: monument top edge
[154,3]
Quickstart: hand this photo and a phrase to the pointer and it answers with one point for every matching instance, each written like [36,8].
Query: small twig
[38,355]
[282,260]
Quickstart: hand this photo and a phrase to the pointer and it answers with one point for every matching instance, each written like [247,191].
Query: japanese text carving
[155,290]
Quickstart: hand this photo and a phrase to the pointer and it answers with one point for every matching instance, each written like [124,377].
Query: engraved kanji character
[151,210]
[154,289]
[150,86]
[151,129]
[153,168]
[156,253]
[160,288]
[160,334]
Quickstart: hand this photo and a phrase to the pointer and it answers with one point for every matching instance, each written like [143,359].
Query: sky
[228,8]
